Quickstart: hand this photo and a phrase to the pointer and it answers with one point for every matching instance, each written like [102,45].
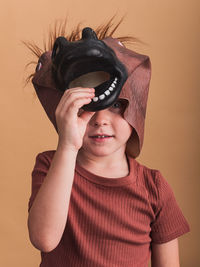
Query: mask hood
[130,69]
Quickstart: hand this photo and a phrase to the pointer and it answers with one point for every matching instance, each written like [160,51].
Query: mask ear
[136,91]
[88,33]
[59,44]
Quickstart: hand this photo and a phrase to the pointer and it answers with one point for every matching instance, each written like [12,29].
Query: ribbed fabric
[112,221]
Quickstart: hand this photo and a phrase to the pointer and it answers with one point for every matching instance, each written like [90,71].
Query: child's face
[107,131]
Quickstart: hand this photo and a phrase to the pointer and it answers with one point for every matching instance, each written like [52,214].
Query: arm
[165,255]
[48,214]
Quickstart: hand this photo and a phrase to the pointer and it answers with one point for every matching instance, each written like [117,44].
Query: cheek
[125,128]
[87,130]
[129,130]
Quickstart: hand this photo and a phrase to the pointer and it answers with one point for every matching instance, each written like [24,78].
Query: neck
[108,166]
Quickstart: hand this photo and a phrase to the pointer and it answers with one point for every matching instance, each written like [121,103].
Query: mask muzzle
[88,62]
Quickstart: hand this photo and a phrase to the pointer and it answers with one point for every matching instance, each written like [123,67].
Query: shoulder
[43,161]
[154,184]
[42,165]
[150,178]
[45,157]
[169,222]
[46,154]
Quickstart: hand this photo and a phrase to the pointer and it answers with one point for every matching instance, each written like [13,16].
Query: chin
[104,151]
[99,153]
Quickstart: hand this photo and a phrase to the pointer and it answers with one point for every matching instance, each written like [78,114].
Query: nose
[100,118]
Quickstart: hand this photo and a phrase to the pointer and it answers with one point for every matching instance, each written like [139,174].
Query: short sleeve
[169,220]
[42,164]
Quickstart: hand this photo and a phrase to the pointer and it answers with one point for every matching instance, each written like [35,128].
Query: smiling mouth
[101,136]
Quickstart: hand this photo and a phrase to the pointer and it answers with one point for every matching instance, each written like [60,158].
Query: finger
[69,98]
[71,113]
[74,99]
[86,115]
[76,105]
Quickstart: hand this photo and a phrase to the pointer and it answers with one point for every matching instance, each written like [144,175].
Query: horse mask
[108,66]
[71,61]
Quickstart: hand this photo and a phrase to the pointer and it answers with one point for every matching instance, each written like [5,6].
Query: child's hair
[60,29]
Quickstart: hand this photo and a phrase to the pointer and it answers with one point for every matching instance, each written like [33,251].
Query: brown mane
[60,29]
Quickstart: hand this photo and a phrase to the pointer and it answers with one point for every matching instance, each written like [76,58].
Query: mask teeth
[107,92]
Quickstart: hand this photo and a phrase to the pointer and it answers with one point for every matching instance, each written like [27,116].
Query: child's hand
[71,127]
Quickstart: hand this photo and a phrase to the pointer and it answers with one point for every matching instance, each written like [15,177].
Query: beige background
[170,30]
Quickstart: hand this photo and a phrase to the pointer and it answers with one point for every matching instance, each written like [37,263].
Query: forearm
[48,214]
[166,254]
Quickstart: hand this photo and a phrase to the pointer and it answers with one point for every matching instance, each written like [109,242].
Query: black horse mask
[88,62]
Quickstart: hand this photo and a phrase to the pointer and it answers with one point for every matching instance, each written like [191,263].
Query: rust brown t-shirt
[112,221]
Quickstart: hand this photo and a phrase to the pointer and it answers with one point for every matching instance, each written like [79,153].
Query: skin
[165,255]
[106,157]
[96,156]
[48,214]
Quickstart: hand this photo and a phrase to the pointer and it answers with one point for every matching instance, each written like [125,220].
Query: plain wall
[170,31]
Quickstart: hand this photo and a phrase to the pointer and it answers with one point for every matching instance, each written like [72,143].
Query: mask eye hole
[38,67]
[120,43]
[57,50]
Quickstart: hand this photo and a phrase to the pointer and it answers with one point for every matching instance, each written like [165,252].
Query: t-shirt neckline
[130,178]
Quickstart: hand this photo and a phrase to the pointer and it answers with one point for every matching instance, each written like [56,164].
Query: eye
[119,106]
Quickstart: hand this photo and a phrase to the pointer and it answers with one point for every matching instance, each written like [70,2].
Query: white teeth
[95,99]
[101,97]
[107,92]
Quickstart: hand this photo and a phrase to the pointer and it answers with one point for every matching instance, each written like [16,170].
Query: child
[92,203]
